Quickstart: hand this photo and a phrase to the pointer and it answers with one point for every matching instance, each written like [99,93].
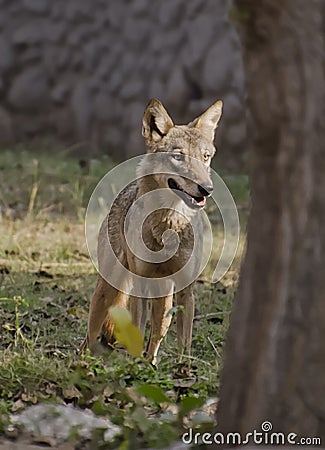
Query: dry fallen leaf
[18,405]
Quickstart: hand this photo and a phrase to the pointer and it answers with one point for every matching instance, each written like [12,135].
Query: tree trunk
[275,354]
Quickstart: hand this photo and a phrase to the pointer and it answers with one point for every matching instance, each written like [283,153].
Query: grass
[46,281]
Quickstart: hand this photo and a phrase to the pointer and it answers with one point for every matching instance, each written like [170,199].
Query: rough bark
[275,354]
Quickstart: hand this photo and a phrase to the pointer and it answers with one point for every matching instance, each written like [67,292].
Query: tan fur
[194,140]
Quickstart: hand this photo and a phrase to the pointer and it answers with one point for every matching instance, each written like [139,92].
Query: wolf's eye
[178,156]
[206,156]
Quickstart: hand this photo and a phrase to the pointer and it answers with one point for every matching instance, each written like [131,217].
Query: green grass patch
[46,281]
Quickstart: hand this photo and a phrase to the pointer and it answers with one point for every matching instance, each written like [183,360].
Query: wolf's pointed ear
[208,121]
[156,122]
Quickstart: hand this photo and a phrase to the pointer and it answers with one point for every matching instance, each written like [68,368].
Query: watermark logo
[266,426]
[264,436]
[120,214]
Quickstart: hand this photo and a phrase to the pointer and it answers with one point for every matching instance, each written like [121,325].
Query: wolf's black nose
[206,189]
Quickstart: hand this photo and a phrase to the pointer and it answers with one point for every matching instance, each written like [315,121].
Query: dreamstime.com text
[265,436]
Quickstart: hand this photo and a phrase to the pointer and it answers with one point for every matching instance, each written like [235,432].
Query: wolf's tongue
[201,202]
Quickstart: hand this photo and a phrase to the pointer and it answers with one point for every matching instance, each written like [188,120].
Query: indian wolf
[177,167]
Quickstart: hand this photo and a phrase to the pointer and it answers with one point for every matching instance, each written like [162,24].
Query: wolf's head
[189,149]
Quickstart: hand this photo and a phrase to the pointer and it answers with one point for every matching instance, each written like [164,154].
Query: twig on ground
[214,347]
[211,315]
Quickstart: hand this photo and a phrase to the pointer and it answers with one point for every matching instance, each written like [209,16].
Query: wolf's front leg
[138,309]
[159,324]
[103,298]
[185,315]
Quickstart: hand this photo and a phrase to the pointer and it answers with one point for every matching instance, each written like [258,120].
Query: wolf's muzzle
[205,189]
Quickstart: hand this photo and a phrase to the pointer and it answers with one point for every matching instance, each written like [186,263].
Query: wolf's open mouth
[190,200]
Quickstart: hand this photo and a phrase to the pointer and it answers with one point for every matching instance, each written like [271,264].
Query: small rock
[11,432]
[56,58]
[76,35]
[60,92]
[54,32]
[30,33]
[30,90]
[136,30]
[56,423]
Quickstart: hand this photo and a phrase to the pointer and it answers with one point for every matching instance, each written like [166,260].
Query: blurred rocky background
[81,71]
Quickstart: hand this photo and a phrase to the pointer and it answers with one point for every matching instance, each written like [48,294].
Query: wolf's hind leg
[121,301]
[185,299]
[103,298]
